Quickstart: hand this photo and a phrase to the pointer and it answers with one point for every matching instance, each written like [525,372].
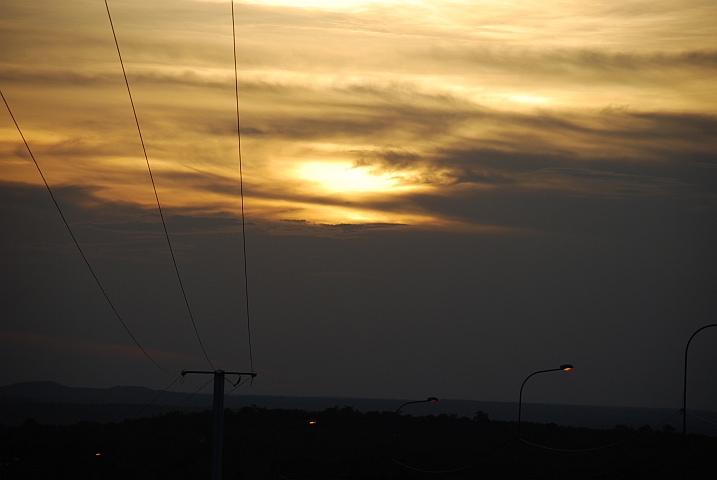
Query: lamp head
[432,399]
[312,421]
[566,368]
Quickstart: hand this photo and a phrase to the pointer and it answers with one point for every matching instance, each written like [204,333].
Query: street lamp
[428,400]
[565,368]
[684,390]
[393,430]
[684,401]
[280,435]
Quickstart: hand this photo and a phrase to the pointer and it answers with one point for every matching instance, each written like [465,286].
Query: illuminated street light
[565,368]
[281,434]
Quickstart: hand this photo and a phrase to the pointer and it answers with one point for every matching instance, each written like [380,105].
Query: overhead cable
[603,446]
[157,397]
[97,280]
[241,189]
[237,385]
[191,395]
[703,419]
[454,470]
[154,187]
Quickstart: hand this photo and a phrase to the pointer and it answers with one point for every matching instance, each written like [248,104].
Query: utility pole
[218,417]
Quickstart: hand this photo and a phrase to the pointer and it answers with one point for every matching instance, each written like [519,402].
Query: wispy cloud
[455,96]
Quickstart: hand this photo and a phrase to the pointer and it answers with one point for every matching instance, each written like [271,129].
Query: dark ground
[346,444]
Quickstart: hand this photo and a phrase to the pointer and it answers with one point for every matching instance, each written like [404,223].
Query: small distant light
[313,422]
[98,454]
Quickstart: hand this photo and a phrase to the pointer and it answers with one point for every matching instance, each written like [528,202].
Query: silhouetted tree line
[346,444]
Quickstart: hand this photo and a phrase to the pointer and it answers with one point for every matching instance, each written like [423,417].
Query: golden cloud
[349,114]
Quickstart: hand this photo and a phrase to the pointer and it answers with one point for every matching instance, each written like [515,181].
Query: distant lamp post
[428,400]
[280,435]
[393,433]
[565,368]
[684,401]
[684,390]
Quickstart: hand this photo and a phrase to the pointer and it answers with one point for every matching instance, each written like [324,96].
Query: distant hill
[50,402]
[52,392]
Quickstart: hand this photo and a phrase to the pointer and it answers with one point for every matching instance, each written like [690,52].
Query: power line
[154,187]
[603,446]
[190,396]
[237,385]
[454,470]
[241,188]
[703,419]
[157,397]
[47,185]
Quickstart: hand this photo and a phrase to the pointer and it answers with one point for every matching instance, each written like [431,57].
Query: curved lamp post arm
[566,368]
[684,390]
[393,430]
[684,402]
[428,400]
[520,397]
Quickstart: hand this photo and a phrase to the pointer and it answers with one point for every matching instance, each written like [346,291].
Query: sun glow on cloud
[350,108]
[526,99]
[328,4]
[336,177]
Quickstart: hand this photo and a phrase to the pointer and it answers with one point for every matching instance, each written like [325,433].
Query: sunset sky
[441,196]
